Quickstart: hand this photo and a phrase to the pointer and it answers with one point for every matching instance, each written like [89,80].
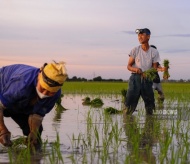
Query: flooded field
[84,134]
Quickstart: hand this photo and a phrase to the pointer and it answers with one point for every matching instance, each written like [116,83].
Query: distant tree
[83,79]
[98,78]
[74,78]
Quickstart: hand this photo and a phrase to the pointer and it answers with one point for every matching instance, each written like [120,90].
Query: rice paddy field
[88,126]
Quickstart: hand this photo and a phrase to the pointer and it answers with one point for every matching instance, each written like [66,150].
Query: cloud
[176,50]
[180,35]
[129,32]
[171,35]
[174,35]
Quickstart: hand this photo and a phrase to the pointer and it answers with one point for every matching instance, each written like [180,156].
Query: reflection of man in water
[140,140]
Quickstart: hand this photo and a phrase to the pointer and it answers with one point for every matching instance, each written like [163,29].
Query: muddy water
[68,123]
[72,122]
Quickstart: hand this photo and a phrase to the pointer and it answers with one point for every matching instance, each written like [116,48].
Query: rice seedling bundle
[97,102]
[166,74]
[150,74]
[111,110]
[86,101]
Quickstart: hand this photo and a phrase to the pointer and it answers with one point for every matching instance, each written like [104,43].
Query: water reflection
[59,109]
[141,137]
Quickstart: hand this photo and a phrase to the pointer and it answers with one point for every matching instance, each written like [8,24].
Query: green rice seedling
[58,149]
[86,101]
[111,110]
[105,151]
[166,74]
[19,152]
[89,129]
[114,137]
[150,74]
[165,146]
[84,159]
[52,157]
[124,94]
[22,155]
[97,102]
[96,136]
[77,140]
[56,155]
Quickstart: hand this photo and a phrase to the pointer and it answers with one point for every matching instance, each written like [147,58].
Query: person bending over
[27,94]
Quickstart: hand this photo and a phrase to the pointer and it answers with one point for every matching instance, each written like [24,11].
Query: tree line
[98,78]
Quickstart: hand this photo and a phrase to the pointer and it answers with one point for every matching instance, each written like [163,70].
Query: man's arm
[34,137]
[162,68]
[5,135]
[131,68]
[155,65]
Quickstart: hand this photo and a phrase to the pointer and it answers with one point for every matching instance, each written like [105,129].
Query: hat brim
[46,86]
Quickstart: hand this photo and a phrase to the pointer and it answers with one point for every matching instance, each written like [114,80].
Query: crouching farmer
[27,94]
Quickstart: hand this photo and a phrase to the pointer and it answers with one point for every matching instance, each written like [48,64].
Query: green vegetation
[150,74]
[96,102]
[86,101]
[171,90]
[117,138]
[111,110]
[166,74]
[94,87]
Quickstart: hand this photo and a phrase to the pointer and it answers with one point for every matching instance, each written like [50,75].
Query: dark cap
[144,30]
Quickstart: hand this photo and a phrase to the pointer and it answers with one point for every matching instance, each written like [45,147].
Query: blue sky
[93,37]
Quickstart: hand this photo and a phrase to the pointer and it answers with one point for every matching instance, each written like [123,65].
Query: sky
[94,38]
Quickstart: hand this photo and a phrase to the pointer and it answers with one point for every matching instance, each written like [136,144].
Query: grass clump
[111,110]
[97,102]
[124,92]
[86,101]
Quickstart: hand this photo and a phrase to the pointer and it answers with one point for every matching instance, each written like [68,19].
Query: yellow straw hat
[53,76]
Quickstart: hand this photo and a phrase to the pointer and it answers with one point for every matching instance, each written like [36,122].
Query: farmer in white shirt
[141,58]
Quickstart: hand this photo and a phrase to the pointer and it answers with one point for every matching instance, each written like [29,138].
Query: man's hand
[33,142]
[34,138]
[139,71]
[5,137]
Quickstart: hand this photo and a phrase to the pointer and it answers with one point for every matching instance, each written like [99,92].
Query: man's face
[43,90]
[143,38]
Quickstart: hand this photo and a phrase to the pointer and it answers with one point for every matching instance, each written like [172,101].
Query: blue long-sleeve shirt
[18,91]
